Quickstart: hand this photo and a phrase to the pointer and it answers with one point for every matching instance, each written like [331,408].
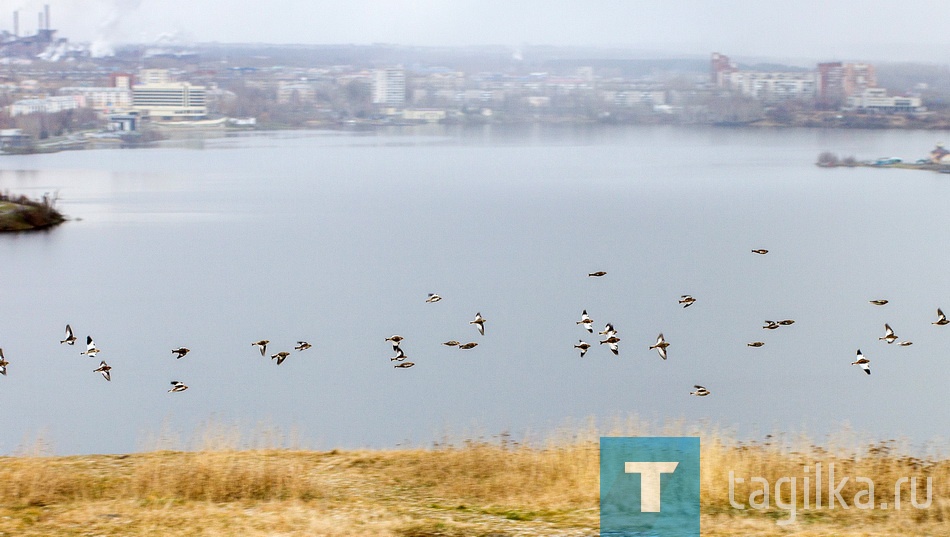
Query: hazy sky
[808,29]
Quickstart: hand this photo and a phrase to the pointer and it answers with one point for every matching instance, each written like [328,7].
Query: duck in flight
[700,391]
[261,345]
[889,335]
[70,337]
[104,368]
[660,346]
[863,362]
[178,386]
[583,346]
[586,321]
[941,319]
[479,323]
[91,349]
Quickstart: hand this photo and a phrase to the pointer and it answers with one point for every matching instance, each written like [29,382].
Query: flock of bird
[177,386]
[610,334]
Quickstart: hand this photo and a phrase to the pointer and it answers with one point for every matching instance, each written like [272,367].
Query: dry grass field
[484,487]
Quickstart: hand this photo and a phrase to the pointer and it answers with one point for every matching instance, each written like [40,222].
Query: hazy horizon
[802,31]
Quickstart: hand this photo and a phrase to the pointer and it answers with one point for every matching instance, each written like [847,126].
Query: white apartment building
[48,105]
[389,87]
[877,99]
[170,101]
[773,86]
[107,100]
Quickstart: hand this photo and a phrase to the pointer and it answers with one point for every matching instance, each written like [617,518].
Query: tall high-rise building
[838,81]
[720,67]
[389,87]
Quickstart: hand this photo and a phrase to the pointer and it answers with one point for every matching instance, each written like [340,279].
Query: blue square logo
[649,487]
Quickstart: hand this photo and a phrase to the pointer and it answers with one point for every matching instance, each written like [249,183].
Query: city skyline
[796,31]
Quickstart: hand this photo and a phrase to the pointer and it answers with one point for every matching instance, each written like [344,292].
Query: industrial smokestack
[16,24]
[46,10]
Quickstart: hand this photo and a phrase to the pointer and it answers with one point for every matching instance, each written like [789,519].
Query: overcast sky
[807,29]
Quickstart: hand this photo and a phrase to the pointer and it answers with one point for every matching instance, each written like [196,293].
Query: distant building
[152,77]
[768,86]
[48,105]
[720,68]
[876,99]
[424,115]
[838,81]
[389,87]
[105,100]
[170,101]
[296,93]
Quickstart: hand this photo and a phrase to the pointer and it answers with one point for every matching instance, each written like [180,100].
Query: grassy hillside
[470,488]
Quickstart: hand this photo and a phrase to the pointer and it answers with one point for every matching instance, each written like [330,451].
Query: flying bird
[400,356]
[181,351]
[91,349]
[597,274]
[879,302]
[103,368]
[395,339]
[770,325]
[433,298]
[586,321]
[700,391]
[70,338]
[404,365]
[889,335]
[608,330]
[660,346]
[451,343]
[786,322]
[467,346]
[941,319]
[686,301]
[863,362]
[479,323]
[612,342]
[302,346]
[261,345]
[3,364]
[760,252]
[178,386]
[756,344]
[905,343]
[583,346]
[280,357]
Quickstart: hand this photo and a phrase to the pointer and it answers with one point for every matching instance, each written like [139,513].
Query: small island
[20,213]
[938,161]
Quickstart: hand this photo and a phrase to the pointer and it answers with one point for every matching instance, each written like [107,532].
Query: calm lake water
[337,238]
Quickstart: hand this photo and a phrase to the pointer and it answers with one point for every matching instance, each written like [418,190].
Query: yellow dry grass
[495,487]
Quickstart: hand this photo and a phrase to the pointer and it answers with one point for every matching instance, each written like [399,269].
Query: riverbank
[19,213]
[475,488]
